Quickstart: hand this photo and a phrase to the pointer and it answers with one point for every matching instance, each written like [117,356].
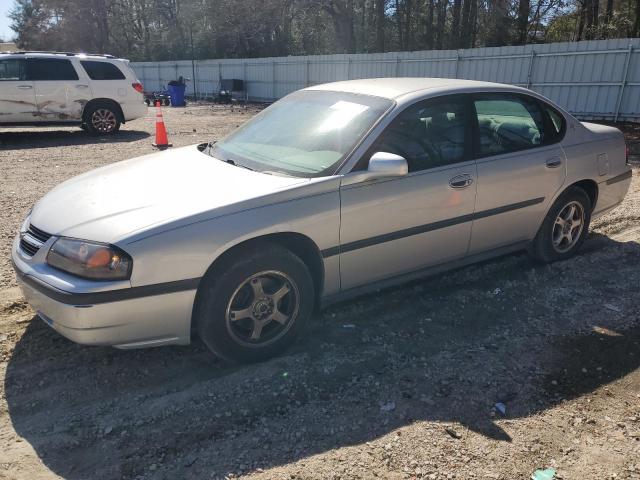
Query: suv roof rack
[68,54]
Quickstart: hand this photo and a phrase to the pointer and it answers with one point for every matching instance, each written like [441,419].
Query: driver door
[395,226]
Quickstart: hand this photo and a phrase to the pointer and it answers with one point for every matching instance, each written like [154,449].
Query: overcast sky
[5,31]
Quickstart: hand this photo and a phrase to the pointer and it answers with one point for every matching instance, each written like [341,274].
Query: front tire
[102,119]
[254,305]
[564,228]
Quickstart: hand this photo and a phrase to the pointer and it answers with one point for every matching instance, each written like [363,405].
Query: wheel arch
[104,101]
[299,244]
[591,189]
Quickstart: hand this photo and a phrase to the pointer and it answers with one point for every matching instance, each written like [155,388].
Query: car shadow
[445,349]
[20,140]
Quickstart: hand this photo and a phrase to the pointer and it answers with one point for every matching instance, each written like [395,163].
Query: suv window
[12,69]
[102,70]
[508,123]
[429,134]
[50,69]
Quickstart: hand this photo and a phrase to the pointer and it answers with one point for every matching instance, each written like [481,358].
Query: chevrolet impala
[333,191]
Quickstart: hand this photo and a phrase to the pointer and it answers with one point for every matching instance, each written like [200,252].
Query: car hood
[110,202]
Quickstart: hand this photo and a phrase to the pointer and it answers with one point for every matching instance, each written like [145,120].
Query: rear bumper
[116,318]
[132,110]
[612,192]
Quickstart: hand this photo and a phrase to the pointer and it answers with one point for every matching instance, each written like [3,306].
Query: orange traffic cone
[162,141]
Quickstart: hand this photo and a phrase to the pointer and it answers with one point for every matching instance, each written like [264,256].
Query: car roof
[43,54]
[393,88]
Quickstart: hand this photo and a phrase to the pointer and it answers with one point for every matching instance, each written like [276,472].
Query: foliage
[173,29]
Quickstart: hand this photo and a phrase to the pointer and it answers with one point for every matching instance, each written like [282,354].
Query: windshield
[306,134]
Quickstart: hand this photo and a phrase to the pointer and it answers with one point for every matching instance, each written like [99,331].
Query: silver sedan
[331,192]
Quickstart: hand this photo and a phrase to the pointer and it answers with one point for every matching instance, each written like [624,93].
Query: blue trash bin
[176,92]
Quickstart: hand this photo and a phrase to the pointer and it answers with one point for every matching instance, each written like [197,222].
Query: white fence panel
[598,79]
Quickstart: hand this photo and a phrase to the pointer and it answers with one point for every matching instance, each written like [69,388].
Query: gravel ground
[398,385]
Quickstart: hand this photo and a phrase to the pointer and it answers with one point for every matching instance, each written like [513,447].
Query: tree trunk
[442,11]
[399,24]
[588,8]
[609,14]
[455,25]
[428,37]
[341,12]
[636,28]
[473,23]
[465,34]
[380,25]
[523,20]
[582,15]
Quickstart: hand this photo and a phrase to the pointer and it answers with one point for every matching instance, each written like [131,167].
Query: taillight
[626,151]
[138,87]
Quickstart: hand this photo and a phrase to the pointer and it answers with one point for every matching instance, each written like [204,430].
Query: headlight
[96,261]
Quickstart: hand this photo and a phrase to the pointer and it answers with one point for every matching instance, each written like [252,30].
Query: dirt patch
[401,384]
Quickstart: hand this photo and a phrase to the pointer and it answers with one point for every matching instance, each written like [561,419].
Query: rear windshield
[102,70]
[306,134]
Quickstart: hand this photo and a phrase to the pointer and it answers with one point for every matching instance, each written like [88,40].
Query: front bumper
[123,317]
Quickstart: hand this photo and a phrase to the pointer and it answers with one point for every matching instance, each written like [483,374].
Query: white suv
[97,92]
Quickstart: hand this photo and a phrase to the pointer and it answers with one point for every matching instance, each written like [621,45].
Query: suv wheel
[564,228]
[255,307]
[102,119]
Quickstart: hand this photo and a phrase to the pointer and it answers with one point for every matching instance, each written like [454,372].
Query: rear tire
[102,119]
[254,305]
[565,227]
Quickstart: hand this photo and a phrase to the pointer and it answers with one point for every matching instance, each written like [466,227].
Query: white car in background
[97,92]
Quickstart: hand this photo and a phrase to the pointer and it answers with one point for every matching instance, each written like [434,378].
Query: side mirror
[381,165]
[386,165]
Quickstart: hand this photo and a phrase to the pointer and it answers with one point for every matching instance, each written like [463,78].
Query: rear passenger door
[520,164]
[107,80]
[61,93]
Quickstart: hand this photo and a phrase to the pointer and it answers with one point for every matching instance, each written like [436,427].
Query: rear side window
[102,70]
[11,69]
[50,69]
[557,122]
[508,123]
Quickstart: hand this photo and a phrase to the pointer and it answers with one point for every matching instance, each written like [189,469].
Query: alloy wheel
[568,227]
[262,309]
[103,120]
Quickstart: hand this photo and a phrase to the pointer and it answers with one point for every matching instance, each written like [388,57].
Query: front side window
[12,69]
[306,134]
[429,134]
[508,123]
[102,70]
[50,69]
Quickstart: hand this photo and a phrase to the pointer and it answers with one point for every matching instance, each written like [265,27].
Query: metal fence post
[530,72]
[398,66]
[349,68]
[273,79]
[307,79]
[244,79]
[624,82]
[457,62]
[159,78]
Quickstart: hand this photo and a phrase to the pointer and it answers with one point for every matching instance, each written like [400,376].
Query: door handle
[82,86]
[461,181]
[24,87]
[554,162]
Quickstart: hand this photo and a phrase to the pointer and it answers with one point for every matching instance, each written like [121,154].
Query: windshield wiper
[231,162]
